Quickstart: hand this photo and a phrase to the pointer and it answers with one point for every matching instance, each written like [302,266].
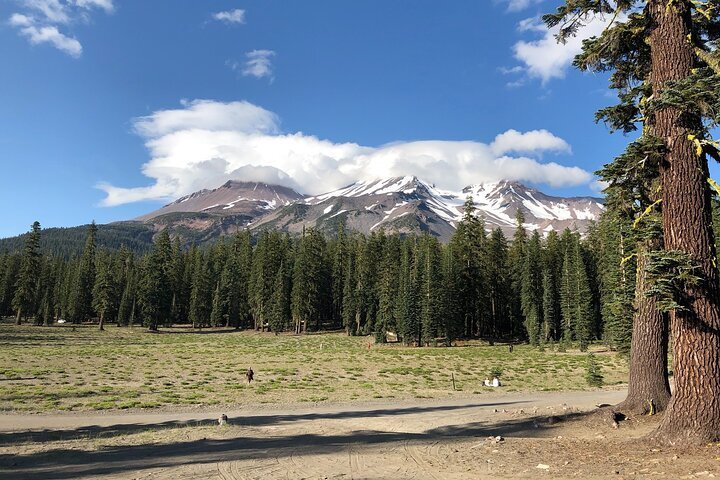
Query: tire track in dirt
[417,455]
[249,469]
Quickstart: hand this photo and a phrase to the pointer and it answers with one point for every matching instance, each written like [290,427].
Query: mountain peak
[379,186]
[403,204]
[233,197]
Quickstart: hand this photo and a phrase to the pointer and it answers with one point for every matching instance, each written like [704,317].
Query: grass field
[61,368]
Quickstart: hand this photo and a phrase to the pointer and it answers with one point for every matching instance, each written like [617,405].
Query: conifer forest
[413,289]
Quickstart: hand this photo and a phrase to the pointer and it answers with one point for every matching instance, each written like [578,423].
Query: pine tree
[431,283]
[104,289]
[279,308]
[311,282]
[5,282]
[388,290]
[498,284]
[576,298]
[66,294]
[216,312]
[155,295]
[468,245]
[665,66]
[367,300]
[201,293]
[593,372]
[408,306]
[126,310]
[552,267]
[338,274]
[549,305]
[584,310]
[568,293]
[349,294]
[632,199]
[81,307]
[452,321]
[178,286]
[244,254]
[45,310]
[516,259]
[614,247]
[266,261]
[26,286]
[531,299]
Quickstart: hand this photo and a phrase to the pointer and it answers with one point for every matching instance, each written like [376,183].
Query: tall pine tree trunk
[693,415]
[648,387]
[18,317]
[102,321]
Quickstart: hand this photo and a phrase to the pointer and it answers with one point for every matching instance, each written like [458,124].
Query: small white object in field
[223,420]
[542,466]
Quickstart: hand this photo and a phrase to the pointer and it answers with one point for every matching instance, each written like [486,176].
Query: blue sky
[111,108]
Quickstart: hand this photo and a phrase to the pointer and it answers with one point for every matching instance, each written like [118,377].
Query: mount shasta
[397,205]
[402,205]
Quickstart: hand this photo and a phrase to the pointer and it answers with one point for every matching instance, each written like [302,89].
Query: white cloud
[230,16]
[53,11]
[208,115]
[258,64]
[51,35]
[41,19]
[545,58]
[599,186]
[206,143]
[511,70]
[106,5]
[532,24]
[18,20]
[528,142]
[519,5]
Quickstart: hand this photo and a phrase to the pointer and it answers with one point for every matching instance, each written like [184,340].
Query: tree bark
[648,386]
[693,415]
[18,318]
[102,321]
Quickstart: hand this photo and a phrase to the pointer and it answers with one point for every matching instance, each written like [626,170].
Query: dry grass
[61,368]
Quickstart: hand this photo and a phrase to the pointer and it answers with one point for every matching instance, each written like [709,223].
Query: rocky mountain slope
[397,205]
[407,204]
[250,199]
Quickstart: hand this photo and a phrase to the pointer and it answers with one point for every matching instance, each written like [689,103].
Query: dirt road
[420,439]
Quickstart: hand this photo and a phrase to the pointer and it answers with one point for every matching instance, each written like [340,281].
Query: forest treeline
[557,288]
[68,242]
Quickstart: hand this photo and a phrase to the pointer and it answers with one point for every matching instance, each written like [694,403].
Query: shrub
[593,374]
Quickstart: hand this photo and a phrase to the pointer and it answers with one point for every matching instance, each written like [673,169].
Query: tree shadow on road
[97,431]
[66,463]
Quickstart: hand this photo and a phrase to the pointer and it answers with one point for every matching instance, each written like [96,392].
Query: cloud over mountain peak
[207,142]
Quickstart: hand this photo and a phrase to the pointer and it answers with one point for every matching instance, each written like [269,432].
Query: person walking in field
[250,375]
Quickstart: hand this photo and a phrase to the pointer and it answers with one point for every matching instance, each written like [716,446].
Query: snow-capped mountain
[396,205]
[408,204]
[499,202]
[251,199]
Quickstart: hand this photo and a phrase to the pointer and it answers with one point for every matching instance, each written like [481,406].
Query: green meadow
[64,368]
